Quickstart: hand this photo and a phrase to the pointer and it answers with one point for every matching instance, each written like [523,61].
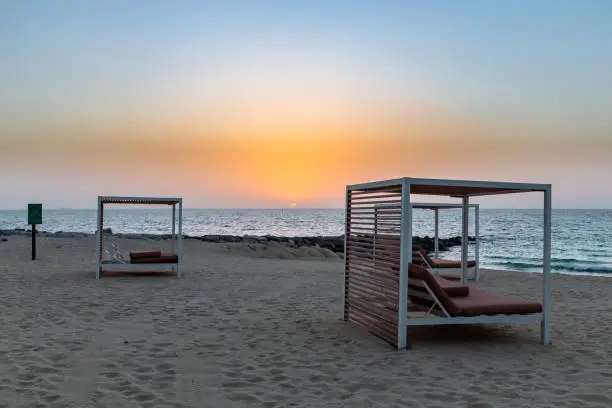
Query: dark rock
[108,231]
[332,243]
[3,239]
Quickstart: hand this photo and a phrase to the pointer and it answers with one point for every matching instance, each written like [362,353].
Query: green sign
[34,214]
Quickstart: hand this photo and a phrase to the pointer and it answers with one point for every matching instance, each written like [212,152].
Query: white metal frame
[176,240]
[473,273]
[404,321]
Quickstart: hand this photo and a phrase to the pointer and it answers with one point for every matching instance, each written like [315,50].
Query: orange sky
[262,106]
[262,163]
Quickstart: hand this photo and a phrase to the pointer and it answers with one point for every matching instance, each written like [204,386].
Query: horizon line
[288,208]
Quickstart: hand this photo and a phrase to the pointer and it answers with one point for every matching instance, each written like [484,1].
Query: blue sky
[479,55]
[540,67]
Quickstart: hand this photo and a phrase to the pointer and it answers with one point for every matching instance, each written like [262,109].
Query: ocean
[510,239]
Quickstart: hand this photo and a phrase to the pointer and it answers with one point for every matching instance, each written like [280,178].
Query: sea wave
[558,266]
[538,260]
[518,265]
[585,268]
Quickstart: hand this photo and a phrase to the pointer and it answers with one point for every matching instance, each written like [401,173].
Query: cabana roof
[138,200]
[437,206]
[452,188]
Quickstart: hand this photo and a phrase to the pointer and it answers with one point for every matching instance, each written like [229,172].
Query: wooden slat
[370,309]
[385,332]
[385,263]
[380,241]
[373,322]
[380,260]
[388,288]
[379,190]
[361,217]
[389,282]
[388,204]
[368,281]
[395,196]
[372,260]
[370,211]
[379,273]
[379,251]
[372,223]
[368,266]
[381,245]
[359,228]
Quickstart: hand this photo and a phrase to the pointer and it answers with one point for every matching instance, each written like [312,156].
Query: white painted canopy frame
[436,207]
[176,240]
[376,295]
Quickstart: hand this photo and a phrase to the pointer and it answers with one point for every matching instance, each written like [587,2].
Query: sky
[248,104]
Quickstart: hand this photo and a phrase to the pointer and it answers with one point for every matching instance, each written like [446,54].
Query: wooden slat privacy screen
[373,221]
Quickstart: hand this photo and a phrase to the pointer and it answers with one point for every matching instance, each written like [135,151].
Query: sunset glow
[271,103]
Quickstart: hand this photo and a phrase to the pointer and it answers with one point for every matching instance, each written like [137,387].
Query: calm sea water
[510,239]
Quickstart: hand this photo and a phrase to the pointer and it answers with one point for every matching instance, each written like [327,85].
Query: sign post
[34,218]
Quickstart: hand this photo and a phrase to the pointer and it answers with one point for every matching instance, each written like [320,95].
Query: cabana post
[405,260]
[148,263]
[180,239]
[545,325]
[444,268]
[437,233]
[464,237]
[386,294]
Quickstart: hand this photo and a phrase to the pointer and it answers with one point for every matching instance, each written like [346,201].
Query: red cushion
[477,303]
[449,263]
[452,289]
[162,259]
[145,253]
[484,303]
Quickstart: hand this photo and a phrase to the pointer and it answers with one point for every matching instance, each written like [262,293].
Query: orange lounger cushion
[451,288]
[145,253]
[449,263]
[476,303]
[436,262]
[480,303]
[161,259]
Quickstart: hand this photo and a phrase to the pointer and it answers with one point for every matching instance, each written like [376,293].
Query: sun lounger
[424,289]
[145,253]
[449,263]
[161,259]
[452,289]
[143,261]
[449,267]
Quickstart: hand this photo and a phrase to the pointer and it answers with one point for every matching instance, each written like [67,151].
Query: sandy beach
[262,326]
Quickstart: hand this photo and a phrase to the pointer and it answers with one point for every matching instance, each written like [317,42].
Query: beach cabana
[150,260]
[386,293]
[436,265]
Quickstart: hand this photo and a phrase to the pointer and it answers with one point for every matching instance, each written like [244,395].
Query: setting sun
[293,205]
